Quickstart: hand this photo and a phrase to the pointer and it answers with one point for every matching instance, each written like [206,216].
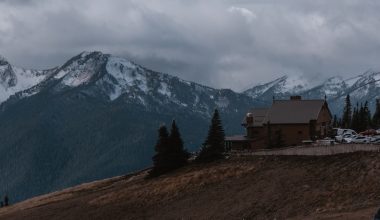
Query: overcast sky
[225,43]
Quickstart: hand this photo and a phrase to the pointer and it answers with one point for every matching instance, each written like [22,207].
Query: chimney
[295,97]
[249,119]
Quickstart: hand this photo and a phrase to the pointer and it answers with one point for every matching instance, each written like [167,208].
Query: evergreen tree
[366,116]
[355,118]
[335,122]
[170,153]
[160,161]
[6,200]
[376,116]
[178,154]
[361,117]
[213,148]
[347,113]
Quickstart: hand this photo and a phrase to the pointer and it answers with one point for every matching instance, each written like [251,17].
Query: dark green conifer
[178,154]
[161,163]
[170,153]
[213,148]
[335,122]
[6,200]
[366,116]
[376,116]
[355,118]
[347,113]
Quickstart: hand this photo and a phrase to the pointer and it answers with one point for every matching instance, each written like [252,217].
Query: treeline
[171,154]
[358,118]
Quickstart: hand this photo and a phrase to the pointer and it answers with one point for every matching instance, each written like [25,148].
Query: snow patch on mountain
[282,85]
[127,76]
[77,73]
[293,84]
[164,89]
[60,74]
[351,81]
[332,86]
[222,102]
[14,79]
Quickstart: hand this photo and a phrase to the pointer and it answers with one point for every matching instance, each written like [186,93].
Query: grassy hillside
[344,186]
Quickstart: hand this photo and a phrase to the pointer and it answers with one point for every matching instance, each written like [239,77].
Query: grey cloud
[229,43]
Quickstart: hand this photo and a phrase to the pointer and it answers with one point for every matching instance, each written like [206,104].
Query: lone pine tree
[213,148]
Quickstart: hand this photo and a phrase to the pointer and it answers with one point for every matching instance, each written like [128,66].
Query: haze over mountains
[97,115]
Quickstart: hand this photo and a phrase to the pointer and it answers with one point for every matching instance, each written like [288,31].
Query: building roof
[259,115]
[294,111]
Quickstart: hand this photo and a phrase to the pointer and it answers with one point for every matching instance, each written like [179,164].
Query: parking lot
[350,136]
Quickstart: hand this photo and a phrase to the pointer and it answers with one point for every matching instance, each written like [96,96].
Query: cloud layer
[221,43]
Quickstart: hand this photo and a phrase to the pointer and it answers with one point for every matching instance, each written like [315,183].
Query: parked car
[341,138]
[348,138]
[360,139]
[375,138]
[341,131]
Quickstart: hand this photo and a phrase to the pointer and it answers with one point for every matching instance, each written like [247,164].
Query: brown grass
[345,186]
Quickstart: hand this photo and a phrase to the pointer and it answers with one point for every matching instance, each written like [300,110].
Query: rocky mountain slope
[344,186]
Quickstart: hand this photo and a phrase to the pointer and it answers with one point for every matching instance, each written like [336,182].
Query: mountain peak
[282,85]
[88,53]
[3,61]
[81,68]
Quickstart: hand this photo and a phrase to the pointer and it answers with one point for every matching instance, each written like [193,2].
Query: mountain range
[97,116]
[364,87]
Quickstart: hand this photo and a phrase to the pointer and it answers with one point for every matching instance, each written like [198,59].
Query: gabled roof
[294,111]
[259,116]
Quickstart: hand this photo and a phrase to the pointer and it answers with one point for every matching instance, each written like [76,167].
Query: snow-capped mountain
[283,85]
[112,78]
[14,79]
[364,87]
